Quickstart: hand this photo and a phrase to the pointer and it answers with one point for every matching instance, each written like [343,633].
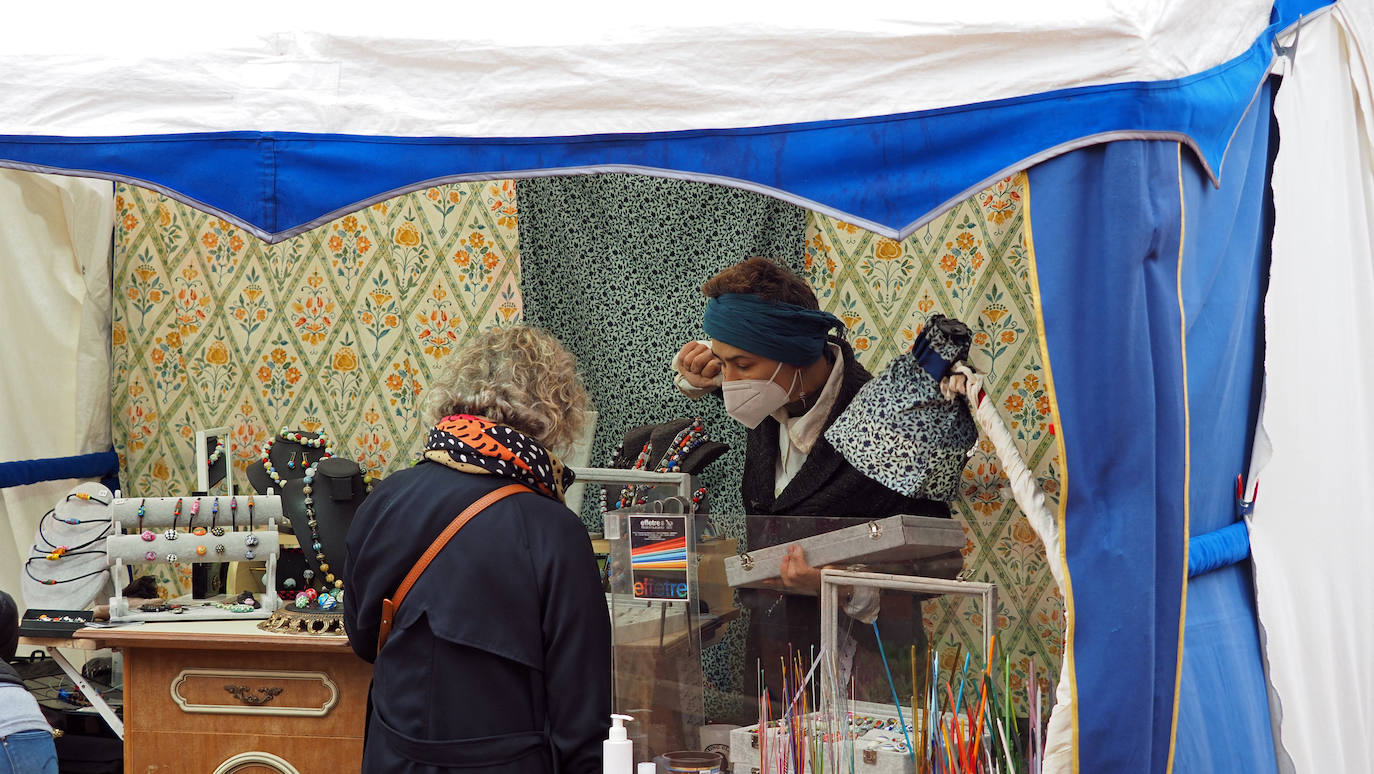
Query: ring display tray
[895,539]
[34,624]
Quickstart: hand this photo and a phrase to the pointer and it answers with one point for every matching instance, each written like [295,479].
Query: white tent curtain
[1312,529]
[55,351]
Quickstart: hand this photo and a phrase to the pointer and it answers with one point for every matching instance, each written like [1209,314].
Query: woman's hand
[799,577]
[698,365]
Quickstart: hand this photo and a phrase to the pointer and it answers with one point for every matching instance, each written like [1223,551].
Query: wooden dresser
[223,697]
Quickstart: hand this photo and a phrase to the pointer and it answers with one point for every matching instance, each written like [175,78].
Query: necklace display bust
[337,488]
[285,457]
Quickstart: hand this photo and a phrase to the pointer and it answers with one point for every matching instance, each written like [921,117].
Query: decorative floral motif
[501,202]
[436,330]
[278,375]
[403,384]
[222,246]
[314,312]
[249,309]
[348,247]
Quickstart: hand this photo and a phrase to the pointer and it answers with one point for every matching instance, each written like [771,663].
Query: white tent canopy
[495,70]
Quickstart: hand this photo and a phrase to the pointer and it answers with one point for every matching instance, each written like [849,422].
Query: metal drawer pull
[746,561]
[245,694]
[875,530]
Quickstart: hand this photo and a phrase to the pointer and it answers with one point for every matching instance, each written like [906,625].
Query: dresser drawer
[254,692]
[163,752]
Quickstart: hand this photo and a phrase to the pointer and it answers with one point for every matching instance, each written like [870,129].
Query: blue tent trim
[887,173]
[24,472]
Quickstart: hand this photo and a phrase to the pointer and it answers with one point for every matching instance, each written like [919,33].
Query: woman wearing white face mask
[786,378]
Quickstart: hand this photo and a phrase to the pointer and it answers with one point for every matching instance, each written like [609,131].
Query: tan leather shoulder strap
[389,606]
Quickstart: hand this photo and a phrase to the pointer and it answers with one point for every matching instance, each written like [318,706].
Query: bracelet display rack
[159,535]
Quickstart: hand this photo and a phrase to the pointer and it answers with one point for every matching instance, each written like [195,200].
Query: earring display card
[895,539]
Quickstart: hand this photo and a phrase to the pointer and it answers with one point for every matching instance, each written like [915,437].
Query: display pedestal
[220,696]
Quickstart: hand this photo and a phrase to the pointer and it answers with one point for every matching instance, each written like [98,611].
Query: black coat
[499,659]
[826,486]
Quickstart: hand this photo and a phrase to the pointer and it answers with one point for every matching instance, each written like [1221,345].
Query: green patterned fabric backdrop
[972,264]
[612,267]
[340,328]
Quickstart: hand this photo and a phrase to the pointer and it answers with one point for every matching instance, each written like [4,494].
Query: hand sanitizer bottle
[617,752]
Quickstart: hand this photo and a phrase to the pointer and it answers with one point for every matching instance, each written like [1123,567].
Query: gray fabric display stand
[127,545]
[55,529]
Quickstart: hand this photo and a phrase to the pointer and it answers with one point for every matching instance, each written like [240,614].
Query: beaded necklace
[683,444]
[321,440]
[314,524]
[56,547]
[216,454]
[54,556]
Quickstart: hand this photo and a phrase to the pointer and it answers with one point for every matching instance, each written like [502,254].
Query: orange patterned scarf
[477,445]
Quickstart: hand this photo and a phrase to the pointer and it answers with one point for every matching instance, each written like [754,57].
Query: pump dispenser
[617,752]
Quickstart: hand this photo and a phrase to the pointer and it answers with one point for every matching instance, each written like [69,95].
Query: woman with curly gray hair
[499,660]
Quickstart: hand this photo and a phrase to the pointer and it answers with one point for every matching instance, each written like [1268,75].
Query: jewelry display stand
[134,538]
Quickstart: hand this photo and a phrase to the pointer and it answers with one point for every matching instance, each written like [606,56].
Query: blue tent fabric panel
[1106,236]
[1223,716]
[887,173]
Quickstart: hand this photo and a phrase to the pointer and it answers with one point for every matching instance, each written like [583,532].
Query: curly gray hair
[518,376]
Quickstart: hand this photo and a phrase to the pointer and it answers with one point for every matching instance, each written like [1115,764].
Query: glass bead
[151,556]
[324,568]
[316,546]
[148,536]
[289,583]
[308,574]
[250,554]
[170,534]
[200,550]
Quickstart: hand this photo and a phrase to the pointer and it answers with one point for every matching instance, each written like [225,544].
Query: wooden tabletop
[208,635]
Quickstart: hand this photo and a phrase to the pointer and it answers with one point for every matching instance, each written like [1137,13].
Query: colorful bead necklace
[683,444]
[65,549]
[314,524]
[216,454]
[321,440]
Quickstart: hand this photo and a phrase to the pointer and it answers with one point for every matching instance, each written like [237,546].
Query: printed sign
[658,557]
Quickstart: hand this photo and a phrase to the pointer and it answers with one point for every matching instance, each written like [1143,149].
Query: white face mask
[750,401]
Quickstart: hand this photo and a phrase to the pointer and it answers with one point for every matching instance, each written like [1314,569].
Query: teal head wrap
[785,332]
